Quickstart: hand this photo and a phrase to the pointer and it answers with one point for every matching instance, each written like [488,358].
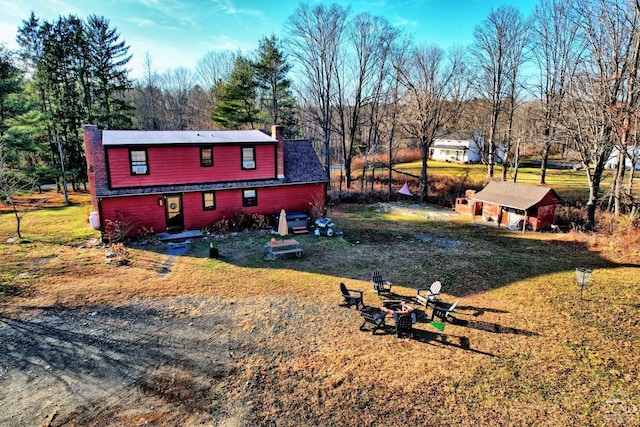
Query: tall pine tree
[107,62]
[237,107]
[276,100]
[78,76]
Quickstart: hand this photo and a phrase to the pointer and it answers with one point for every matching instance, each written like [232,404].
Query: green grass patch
[568,183]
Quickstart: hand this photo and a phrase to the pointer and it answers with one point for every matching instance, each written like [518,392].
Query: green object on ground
[438,325]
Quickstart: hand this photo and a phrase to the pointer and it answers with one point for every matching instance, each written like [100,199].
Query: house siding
[138,211]
[147,211]
[288,175]
[181,165]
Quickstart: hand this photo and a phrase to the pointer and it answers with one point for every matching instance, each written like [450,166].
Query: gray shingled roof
[301,163]
[301,166]
[512,195]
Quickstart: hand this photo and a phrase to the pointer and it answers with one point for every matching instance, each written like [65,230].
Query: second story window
[138,161]
[206,156]
[248,158]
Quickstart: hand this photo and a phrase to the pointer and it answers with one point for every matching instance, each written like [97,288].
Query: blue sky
[179,33]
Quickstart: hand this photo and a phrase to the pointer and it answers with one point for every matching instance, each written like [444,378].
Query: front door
[175,218]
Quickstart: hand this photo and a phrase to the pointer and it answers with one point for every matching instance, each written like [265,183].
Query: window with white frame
[248,157]
[138,162]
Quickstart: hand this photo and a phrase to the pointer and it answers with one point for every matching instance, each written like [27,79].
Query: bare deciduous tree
[433,97]
[555,48]
[626,141]
[176,85]
[495,56]
[360,80]
[12,184]
[214,67]
[597,91]
[516,57]
[314,39]
[147,97]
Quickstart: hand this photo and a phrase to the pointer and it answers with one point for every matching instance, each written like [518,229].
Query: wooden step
[299,230]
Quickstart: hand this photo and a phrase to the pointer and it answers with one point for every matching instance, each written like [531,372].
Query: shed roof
[163,137]
[514,195]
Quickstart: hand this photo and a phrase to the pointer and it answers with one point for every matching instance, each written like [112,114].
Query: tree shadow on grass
[487,259]
[491,327]
[479,311]
[446,340]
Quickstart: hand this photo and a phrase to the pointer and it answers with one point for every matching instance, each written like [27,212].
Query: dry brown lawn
[240,340]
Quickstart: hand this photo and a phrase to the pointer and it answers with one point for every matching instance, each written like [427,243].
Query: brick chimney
[276,132]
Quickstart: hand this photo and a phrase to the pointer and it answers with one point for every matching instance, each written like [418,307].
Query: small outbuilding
[518,206]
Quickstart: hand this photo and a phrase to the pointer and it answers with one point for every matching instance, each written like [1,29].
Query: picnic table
[282,247]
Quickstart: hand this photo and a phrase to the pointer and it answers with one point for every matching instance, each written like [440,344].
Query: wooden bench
[297,251]
[282,248]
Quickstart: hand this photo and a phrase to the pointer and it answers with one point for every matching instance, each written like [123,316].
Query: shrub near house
[187,180]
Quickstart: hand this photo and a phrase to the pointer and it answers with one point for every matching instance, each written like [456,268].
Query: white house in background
[461,147]
[612,162]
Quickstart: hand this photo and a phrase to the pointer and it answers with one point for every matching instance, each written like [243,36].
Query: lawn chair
[380,285]
[431,295]
[404,324]
[443,310]
[351,296]
[373,316]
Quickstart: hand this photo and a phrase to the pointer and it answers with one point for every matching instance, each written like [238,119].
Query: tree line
[562,80]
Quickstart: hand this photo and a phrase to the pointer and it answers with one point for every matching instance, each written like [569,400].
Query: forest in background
[562,81]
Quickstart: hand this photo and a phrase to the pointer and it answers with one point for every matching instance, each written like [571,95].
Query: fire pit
[391,307]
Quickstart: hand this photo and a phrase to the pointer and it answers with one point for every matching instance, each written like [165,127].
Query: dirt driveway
[93,367]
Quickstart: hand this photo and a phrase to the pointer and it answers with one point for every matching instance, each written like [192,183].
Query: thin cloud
[142,22]
[401,22]
[175,11]
[227,7]
[226,43]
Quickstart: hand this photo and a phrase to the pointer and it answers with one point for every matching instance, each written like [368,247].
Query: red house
[518,206]
[187,180]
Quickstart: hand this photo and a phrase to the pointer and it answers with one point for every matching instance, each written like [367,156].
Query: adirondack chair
[351,296]
[426,296]
[374,316]
[404,324]
[443,310]
[380,285]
